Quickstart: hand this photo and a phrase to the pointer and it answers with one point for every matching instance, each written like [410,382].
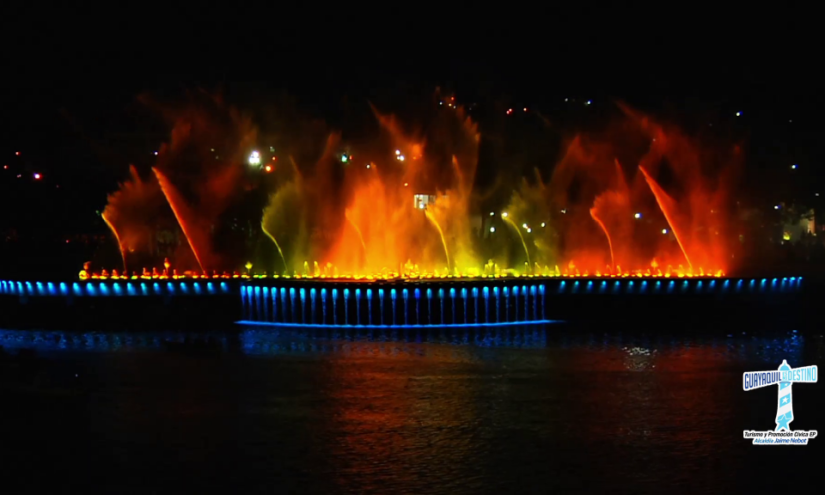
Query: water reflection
[453,411]
[627,351]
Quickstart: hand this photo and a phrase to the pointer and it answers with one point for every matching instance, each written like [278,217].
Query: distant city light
[492,213]
[776,207]
[155,153]
[5,167]
[504,215]
[368,165]
[344,158]
[529,230]
[19,175]
[638,215]
[543,224]
[564,210]
[738,114]
[406,184]
[510,111]
[793,167]
[17,153]
[492,229]
[588,102]
[524,225]
[255,158]
[397,152]
[268,168]
[36,176]
[525,109]
[401,158]
[816,194]
[664,231]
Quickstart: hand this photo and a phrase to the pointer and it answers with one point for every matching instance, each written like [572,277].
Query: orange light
[268,168]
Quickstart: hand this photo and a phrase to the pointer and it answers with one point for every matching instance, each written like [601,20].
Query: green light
[344,158]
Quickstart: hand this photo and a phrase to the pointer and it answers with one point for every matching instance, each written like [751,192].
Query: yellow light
[504,215]
[543,224]
[787,236]
[268,168]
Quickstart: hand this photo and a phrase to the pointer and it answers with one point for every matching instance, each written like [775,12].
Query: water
[518,410]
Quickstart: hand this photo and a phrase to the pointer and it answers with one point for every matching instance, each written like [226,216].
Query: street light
[255,159]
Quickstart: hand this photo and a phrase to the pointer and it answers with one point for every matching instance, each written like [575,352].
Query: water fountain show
[400,226]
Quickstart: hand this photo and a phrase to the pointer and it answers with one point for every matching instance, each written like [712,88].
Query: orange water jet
[117,238]
[668,207]
[179,209]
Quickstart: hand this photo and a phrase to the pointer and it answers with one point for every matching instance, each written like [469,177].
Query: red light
[5,167]
[17,153]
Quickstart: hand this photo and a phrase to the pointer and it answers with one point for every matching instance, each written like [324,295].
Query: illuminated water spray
[357,231]
[606,233]
[263,227]
[117,238]
[665,202]
[506,218]
[172,199]
[441,234]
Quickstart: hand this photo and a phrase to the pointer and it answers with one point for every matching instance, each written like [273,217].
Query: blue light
[51,289]
[455,325]
[210,287]
[224,287]
[170,287]
[561,286]
[198,288]
[118,289]
[184,289]
[90,289]
[417,293]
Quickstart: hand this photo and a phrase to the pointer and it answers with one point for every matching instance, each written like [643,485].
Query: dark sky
[70,78]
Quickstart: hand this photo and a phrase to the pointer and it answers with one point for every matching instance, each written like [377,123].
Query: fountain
[397,230]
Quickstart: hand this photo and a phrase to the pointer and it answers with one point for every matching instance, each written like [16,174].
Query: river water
[510,410]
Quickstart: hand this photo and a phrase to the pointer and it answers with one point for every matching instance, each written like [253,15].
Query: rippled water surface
[510,410]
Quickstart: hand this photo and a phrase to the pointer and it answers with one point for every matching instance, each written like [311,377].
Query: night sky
[69,85]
